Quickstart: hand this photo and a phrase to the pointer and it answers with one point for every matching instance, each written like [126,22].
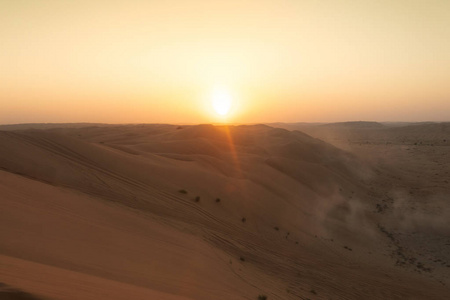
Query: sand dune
[201,212]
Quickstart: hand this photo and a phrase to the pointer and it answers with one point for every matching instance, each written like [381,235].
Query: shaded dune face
[194,212]
[10,293]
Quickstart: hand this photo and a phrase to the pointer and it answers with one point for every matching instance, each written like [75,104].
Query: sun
[221,101]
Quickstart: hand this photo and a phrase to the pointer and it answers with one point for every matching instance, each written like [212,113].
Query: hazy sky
[159,61]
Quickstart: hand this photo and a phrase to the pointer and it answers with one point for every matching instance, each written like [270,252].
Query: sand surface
[215,212]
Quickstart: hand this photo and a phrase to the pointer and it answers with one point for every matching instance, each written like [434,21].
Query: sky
[277,61]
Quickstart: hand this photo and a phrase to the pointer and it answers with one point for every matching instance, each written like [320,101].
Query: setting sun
[221,101]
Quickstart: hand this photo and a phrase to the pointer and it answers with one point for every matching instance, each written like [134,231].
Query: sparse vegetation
[402,258]
[381,207]
[313,292]
[241,258]
[420,266]
[262,297]
[276,228]
[244,220]
[182,191]
[218,200]
[197,199]
[387,233]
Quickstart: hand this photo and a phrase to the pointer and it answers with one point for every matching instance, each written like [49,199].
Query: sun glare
[221,102]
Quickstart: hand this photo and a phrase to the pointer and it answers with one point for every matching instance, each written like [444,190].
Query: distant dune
[339,134]
[225,212]
[26,126]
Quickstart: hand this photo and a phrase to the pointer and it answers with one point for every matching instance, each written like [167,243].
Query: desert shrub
[182,191]
[262,297]
[243,220]
[276,228]
[242,258]
[218,200]
[197,199]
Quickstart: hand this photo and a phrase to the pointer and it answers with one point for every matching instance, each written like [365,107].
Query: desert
[224,150]
[225,212]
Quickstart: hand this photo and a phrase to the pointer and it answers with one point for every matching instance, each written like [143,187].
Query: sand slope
[99,211]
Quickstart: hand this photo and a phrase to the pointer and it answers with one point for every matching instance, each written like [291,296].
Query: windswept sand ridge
[104,204]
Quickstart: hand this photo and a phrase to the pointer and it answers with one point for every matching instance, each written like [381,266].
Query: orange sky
[159,61]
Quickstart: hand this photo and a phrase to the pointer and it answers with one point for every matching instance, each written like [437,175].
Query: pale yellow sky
[159,61]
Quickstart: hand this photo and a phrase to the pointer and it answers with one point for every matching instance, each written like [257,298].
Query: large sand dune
[212,212]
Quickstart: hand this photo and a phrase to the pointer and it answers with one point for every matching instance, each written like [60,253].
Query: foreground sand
[115,212]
